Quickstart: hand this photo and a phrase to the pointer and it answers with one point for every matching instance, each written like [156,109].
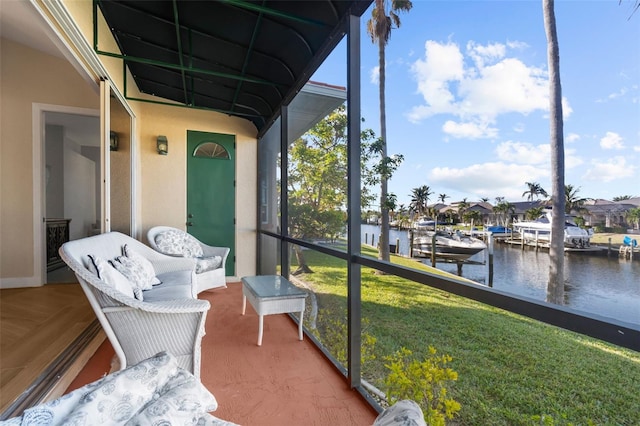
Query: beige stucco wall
[161,180]
[27,76]
[164,178]
[120,169]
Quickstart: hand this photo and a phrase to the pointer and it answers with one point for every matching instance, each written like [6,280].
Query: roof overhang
[238,57]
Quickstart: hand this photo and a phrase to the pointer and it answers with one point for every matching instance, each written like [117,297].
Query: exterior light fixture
[162,145]
[113,141]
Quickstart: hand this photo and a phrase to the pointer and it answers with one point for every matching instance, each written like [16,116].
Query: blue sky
[467,97]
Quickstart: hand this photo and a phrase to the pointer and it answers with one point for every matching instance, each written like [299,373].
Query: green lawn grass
[511,369]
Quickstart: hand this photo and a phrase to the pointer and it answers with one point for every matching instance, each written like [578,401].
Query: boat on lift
[451,245]
[539,230]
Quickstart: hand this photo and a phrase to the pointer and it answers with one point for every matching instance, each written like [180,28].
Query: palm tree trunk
[555,287]
[303,268]
[383,253]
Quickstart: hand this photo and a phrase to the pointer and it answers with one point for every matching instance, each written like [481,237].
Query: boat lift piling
[488,256]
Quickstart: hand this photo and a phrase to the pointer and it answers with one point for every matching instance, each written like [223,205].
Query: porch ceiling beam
[204,34]
[268,11]
[176,20]
[255,113]
[254,35]
[146,61]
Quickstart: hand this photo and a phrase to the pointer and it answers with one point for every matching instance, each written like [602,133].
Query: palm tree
[503,209]
[535,190]
[462,207]
[571,199]
[471,216]
[379,29]
[555,287]
[622,197]
[420,199]
[633,217]
[443,197]
[533,213]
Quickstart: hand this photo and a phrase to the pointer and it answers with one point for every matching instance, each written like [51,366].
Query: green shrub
[424,382]
[332,332]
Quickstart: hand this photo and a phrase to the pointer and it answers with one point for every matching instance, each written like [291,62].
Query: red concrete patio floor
[284,381]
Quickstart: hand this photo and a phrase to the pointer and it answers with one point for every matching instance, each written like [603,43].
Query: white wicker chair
[139,329]
[206,280]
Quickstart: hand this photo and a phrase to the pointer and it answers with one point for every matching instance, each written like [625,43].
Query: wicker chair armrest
[210,251]
[168,263]
[177,306]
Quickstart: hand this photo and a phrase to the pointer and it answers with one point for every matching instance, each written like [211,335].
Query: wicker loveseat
[210,260]
[139,324]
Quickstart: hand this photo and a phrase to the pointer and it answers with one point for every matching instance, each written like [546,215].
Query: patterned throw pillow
[107,273]
[135,273]
[170,242]
[178,243]
[404,412]
[182,400]
[191,246]
[144,263]
[205,264]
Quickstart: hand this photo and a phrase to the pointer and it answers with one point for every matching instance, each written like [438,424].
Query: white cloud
[488,179]
[526,153]
[572,137]
[374,75]
[636,148]
[617,94]
[488,84]
[610,170]
[469,130]
[523,153]
[611,140]
[443,64]
[481,54]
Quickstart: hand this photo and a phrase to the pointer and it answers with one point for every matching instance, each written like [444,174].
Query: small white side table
[272,294]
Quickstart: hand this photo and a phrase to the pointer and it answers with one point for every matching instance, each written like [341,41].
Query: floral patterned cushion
[178,243]
[403,413]
[154,391]
[204,264]
[181,400]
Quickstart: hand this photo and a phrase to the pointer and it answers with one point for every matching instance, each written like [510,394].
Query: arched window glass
[211,150]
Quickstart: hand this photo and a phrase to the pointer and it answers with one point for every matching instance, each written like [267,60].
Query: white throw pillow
[144,263]
[107,273]
[134,273]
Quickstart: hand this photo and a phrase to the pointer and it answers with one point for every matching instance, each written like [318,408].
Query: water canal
[596,284]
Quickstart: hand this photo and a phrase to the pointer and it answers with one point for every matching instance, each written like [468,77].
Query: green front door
[211,196]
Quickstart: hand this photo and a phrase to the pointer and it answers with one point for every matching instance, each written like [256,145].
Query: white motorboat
[424,223]
[449,245]
[540,230]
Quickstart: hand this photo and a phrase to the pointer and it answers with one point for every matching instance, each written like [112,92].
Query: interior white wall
[80,202]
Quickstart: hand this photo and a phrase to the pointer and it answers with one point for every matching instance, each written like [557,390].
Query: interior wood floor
[36,325]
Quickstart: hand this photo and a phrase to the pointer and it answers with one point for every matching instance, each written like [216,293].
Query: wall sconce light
[162,144]
[113,141]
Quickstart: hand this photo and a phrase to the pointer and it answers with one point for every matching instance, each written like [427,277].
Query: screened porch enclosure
[350,315]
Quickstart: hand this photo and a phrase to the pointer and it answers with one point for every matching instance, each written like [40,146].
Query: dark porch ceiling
[239,57]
